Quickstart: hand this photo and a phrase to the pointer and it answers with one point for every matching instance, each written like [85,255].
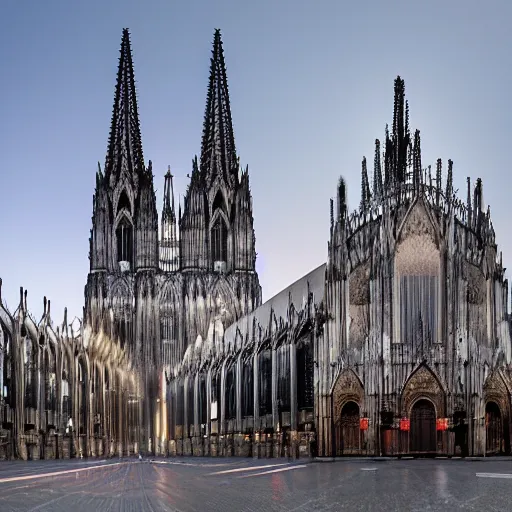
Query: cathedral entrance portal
[348,433]
[493,429]
[423,427]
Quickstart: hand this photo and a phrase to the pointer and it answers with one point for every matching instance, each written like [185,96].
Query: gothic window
[305,373]
[219,240]
[283,382]
[190,402]
[265,381]
[82,398]
[66,398]
[180,404]
[124,236]
[203,404]
[231,392]
[30,373]
[418,309]
[248,388]
[50,380]
[417,286]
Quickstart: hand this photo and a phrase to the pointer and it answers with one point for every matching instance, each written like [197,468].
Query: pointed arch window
[30,373]
[219,240]
[305,375]
[248,388]
[124,238]
[50,380]
[265,381]
[231,393]
[283,381]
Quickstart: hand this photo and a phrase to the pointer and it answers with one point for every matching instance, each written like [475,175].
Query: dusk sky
[311,87]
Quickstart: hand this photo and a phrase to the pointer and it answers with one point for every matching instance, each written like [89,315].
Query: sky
[311,88]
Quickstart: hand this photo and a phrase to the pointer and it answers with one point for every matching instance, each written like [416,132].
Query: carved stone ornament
[495,390]
[348,388]
[423,384]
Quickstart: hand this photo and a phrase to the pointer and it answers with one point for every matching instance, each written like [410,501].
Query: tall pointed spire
[218,153]
[124,152]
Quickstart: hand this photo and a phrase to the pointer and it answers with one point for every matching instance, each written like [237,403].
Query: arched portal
[493,428]
[348,439]
[423,427]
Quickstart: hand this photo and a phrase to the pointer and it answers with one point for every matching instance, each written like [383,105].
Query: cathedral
[398,345]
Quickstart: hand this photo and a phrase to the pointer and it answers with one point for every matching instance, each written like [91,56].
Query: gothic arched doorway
[493,428]
[423,427]
[347,431]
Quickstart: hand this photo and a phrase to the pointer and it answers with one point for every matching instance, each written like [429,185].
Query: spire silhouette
[218,153]
[124,152]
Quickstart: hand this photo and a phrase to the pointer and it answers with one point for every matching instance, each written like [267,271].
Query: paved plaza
[263,485]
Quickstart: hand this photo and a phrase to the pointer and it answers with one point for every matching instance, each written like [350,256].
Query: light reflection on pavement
[230,485]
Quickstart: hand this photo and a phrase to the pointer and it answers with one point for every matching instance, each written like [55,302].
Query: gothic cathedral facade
[399,344]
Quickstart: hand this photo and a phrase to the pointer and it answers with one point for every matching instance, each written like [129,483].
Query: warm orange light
[405,424]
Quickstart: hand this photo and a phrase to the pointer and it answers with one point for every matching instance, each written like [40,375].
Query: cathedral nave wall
[249,390]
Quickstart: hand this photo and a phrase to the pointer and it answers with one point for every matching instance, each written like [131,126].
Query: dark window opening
[203,404]
[180,404]
[248,389]
[190,402]
[305,375]
[82,399]
[219,240]
[124,236]
[231,393]
[283,382]
[30,374]
[123,202]
[265,382]
[219,203]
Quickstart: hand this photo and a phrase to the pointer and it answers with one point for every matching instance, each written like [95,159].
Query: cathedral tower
[124,234]
[217,227]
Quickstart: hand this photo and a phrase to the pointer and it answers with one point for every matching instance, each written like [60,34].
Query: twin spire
[124,151]
[218,153]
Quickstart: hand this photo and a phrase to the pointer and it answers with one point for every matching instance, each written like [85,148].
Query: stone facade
[399,344]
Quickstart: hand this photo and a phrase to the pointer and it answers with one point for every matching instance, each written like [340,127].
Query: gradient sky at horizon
[311,87]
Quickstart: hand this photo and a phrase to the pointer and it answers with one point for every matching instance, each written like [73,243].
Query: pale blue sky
[311,85]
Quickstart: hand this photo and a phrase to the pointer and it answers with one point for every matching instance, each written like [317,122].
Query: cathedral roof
[278,307]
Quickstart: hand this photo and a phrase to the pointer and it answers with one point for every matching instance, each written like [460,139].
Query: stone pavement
[230,485]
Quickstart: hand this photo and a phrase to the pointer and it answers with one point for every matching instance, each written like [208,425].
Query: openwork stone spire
[218,153]
[124,152]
